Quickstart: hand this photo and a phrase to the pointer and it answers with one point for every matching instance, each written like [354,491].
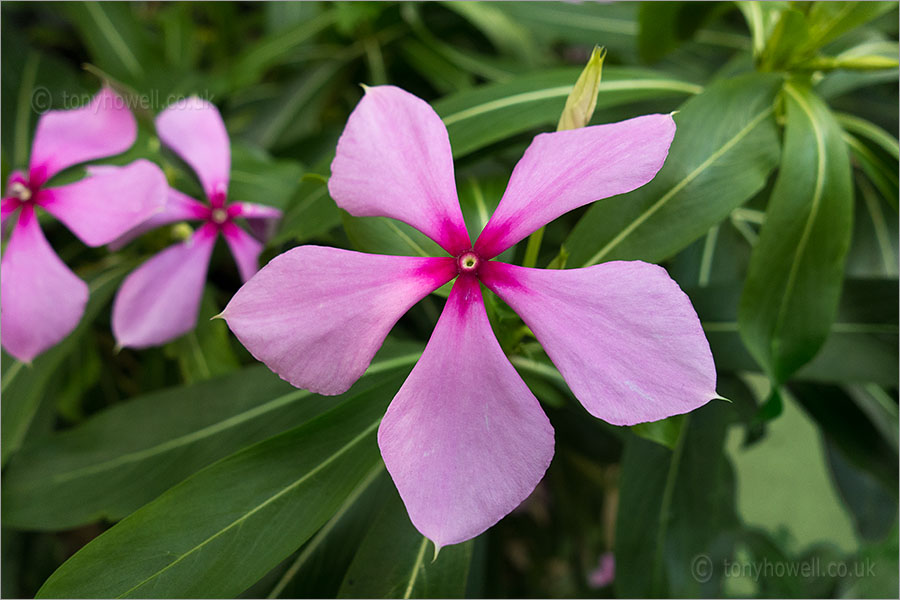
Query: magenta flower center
[468,262]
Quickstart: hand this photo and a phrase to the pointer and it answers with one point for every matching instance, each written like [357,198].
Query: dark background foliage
[776,212]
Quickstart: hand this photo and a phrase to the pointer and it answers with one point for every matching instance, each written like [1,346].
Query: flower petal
[394,160]
[261,219]
[564,170]
[464,440]
[106,205]
[67,137]
[160,299]
[7,207]
[41,300]
[623,334]
[244,248]
[316,316]
[178,207]
[193,129]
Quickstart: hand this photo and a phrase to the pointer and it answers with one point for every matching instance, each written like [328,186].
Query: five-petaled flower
[464,439]
[41,299]
[160,300]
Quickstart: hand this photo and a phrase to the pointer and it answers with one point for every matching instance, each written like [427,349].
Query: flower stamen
[20,191]
[219,216]
[468,262]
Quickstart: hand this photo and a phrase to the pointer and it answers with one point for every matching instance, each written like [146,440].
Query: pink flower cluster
[42,300]
[464,440]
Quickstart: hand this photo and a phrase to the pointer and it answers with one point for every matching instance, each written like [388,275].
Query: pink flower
[464,440]
[41,300]
[159,301]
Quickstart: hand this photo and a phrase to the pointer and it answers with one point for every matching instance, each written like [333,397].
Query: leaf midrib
[818,192]
[217,427]
[287,489]
[563,91]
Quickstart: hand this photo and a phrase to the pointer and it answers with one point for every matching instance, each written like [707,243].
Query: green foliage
[192,471]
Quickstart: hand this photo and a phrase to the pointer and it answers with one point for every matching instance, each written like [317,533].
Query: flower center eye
[467,262]
[20,190]
[219,216]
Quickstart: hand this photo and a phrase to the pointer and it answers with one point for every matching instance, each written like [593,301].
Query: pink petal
[316,316]
[193,129]
[178,207]
[564,170]
[7,207]
[160,299]
[68,137]
[104,206]
[622,334]
[244,248]
[248,210]
[464,440]
[261,219]
[394,160]
[41,300]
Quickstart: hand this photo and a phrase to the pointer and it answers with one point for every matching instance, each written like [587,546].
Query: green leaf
[861,347]
[219,531]
[320,566]
[381,235]
[663,26]
[507,36]
[91,472]
[23,386]
[274,118]
[672,506]
[830,20]
[725,147]
[253,62]
[395,561]
[206,350]
[486,114]
[664,432]
[257,177]
[310,212]
[796,270]
[115,38]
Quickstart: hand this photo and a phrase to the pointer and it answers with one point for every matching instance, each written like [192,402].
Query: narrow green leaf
[253,62]
[489,113]
[125,456]
[725,146]
[394,560]
[114,37]
[796,270]
[218,532]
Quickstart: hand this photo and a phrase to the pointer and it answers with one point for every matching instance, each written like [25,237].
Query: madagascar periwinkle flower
[41,299]
[464,439]
[160,300]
